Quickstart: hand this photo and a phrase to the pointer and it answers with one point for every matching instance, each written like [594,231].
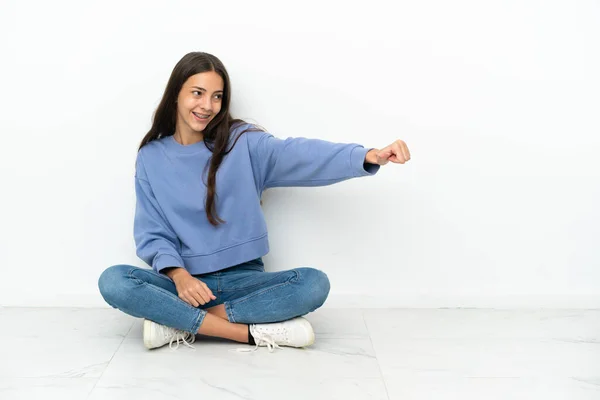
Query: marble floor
[408,354]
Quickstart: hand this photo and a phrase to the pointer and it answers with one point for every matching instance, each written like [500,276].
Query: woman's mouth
[201,117]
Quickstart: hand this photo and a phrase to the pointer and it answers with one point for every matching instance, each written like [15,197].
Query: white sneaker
[295,332]
[157,335]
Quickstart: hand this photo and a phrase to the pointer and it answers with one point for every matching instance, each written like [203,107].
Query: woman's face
[200,97]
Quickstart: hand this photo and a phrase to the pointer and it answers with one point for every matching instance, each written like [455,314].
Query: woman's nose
[206,103]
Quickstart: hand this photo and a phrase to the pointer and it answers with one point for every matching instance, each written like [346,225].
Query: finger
[193,297]
[209,295]
[202,296]
[208,291]
[405,151]
[399,156]
[199,292]
[190,301]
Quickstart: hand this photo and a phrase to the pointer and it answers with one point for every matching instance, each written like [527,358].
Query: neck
[187,139]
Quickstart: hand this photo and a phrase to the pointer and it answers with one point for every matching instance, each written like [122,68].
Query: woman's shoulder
[244,131]
[151,150]
[243,128]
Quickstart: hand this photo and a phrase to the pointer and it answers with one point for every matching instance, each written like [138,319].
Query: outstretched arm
[305,162]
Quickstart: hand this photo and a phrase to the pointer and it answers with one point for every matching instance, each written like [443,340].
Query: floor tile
[56,358]
[486,343]
[341,358]
[46,388]
[231,386]
[487,357]
[452,388]
[340,323]
[65,322]
[570,325]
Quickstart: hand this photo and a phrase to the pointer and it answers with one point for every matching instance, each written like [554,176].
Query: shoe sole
[309,329]
[147,333]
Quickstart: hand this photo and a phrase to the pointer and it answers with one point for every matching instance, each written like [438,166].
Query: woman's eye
[219,96]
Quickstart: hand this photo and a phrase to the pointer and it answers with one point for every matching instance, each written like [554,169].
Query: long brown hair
[216,133]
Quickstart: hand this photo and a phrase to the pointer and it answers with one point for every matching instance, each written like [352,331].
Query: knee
[316,287]
[110,282]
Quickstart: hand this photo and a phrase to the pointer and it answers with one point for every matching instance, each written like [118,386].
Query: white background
[498,102]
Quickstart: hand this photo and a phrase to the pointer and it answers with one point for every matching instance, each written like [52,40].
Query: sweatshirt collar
[174,145]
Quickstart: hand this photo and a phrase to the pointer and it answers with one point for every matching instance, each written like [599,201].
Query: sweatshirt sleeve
[154,239]
[305,162]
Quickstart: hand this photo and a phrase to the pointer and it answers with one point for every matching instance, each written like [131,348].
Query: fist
[396,152]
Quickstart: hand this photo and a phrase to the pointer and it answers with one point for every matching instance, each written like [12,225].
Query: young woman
[204,234]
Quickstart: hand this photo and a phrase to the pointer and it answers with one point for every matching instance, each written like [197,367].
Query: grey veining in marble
[404,354]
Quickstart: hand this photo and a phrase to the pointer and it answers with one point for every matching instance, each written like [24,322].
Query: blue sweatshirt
[171,228]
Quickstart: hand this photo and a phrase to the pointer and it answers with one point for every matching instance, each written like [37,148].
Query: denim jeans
[250,294]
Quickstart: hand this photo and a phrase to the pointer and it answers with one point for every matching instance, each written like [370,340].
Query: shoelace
[182,336]
[262,338]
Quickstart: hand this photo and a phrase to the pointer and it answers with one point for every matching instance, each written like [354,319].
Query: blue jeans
[250,294]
